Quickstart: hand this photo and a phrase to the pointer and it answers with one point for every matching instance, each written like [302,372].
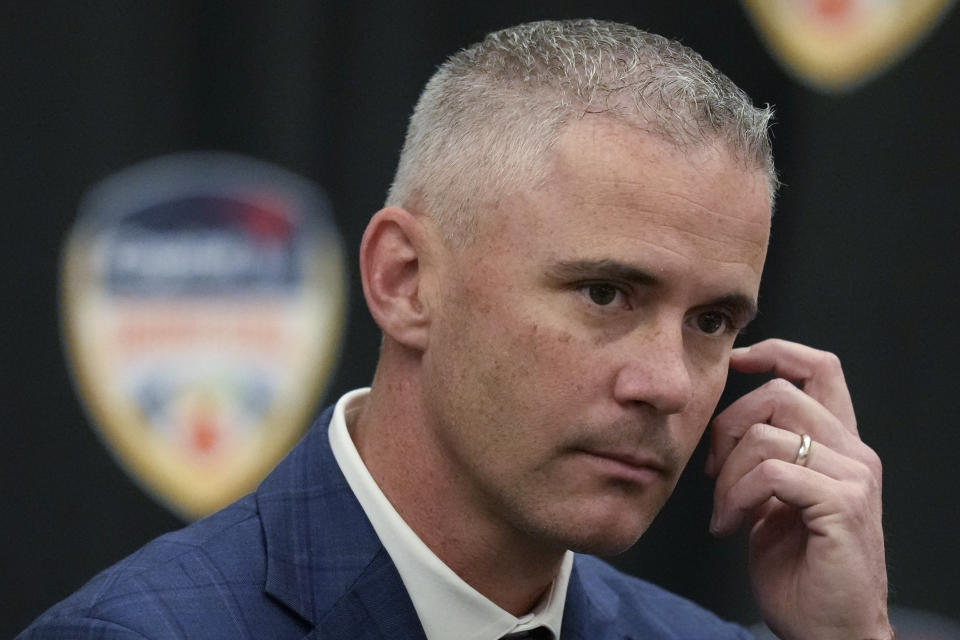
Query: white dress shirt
[447,606]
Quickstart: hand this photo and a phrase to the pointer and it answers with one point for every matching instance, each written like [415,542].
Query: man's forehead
[607,131]
[620,149]
[604,175]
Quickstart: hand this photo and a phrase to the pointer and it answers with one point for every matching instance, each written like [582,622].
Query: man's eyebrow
[742,307]
[569,270]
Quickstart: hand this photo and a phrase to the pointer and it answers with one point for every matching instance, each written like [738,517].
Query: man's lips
[629,465]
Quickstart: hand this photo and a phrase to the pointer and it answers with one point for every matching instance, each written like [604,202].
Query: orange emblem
[834,45]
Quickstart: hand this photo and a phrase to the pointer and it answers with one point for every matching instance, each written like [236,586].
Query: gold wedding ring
[804,452]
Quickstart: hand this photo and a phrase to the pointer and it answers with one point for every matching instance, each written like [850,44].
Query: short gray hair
[488,117]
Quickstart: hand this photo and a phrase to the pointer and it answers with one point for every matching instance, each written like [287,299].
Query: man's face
[581,342]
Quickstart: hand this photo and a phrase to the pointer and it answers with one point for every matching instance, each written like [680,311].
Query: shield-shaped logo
[203,298]
[834,45]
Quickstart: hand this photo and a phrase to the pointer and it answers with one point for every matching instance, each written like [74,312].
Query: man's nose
[656,372]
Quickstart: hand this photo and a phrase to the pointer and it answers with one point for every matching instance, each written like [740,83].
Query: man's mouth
[632,466]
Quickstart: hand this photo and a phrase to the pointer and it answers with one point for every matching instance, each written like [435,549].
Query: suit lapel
[324,560]
[590,610]
[377,607]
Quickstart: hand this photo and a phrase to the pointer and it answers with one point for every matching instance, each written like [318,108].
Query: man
[574,237]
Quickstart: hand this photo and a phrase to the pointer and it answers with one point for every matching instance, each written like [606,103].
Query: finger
[765,442]
[818,372]
[800,487]
[781,404]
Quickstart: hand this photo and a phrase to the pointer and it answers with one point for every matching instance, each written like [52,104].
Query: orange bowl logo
[835,45]
[203,300]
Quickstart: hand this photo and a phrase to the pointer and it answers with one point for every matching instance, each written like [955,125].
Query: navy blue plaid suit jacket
[299,559]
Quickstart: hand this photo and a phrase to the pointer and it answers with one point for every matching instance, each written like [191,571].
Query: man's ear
[392,255]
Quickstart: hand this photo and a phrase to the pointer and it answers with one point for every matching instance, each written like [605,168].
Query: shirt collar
[447,606]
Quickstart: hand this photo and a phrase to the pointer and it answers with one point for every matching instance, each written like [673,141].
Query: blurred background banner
[202,303]
[834,45]
[863,260]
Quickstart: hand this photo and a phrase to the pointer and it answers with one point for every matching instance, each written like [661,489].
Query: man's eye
[711,322]
[602,294]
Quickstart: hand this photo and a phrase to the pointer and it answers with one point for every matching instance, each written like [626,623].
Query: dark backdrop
[863,259]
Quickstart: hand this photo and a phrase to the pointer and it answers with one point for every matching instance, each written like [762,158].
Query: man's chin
[604,545]
[605,536]
[600,523]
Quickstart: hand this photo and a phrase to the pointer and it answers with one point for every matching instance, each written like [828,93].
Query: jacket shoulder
[205,581]
[637,604]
